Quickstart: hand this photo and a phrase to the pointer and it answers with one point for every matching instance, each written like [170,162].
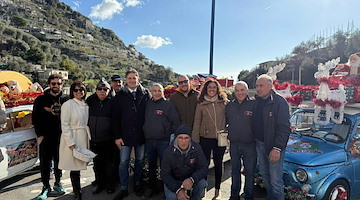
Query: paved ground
[28,186]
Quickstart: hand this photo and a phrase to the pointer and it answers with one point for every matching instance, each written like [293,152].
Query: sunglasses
[183,82]
[55,83]
[103,89]
[79,90]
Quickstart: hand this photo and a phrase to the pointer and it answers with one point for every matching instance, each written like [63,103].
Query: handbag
[84,155]
[222,135]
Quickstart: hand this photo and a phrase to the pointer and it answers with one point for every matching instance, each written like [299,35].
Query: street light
[212,37]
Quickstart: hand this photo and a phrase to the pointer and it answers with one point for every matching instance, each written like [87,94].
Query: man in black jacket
[239,114]
[161,120]
[184,168]
[128,120]
[102,143]
[271,127]
[46,120]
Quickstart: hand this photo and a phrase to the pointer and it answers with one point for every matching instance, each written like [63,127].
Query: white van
[18,145]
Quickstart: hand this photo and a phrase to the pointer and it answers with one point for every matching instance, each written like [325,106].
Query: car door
[18,144]
[354,150]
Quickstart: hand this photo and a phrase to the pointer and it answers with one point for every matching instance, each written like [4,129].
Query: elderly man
[161,120]
[128,120]
[239,114]
[271,127]
[116,84]
[185,101]
[184,168]
[102,143]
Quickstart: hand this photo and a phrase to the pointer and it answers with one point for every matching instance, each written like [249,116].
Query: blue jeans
[154,150]
[247,154]
[124,165]
[272,173]
[196,194]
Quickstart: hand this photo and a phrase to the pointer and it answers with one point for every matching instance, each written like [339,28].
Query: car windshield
[303,124]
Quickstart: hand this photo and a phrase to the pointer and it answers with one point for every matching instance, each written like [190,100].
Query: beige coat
[206,113]
[74,119]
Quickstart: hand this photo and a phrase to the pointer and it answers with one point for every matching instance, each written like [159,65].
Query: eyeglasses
[183,138]
[55,83]
[103,89]
[79,90]
[183,82]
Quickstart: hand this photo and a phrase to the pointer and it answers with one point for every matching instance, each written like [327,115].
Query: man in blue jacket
[184,168]
[128,118]
[161,120]
[272,129]
[239,113]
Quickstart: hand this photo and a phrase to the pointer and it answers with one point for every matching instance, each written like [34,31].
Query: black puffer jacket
[46,124]
[176,167]
[100,118]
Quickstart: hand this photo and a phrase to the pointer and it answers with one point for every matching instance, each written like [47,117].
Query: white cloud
[77,5]
[155,23]
[131,3]
[106,9]
[149,41]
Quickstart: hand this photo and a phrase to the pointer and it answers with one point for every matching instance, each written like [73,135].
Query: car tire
[339,189]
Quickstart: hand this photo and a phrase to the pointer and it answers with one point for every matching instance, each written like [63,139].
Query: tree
[19,21]
[243,75]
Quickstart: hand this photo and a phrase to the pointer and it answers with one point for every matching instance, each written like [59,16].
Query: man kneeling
[184,168]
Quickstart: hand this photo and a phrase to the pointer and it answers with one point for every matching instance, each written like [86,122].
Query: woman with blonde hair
[210,118]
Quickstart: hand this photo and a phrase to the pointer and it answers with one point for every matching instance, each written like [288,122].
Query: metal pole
[212,37]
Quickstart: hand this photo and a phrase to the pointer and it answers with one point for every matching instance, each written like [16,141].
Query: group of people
[180,132]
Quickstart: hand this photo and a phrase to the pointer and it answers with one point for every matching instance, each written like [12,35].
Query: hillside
[39,34]
[307,56]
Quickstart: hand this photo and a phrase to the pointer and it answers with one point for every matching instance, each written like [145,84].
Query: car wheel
[338,190]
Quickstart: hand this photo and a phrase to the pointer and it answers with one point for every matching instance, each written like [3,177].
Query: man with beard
[46,120]
[185,100]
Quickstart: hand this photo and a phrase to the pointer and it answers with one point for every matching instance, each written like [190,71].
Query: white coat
[74,119]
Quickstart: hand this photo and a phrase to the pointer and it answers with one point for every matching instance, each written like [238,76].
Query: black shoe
[122,194]
[149,193]
[234,198]
[78,196]
[139,190]
[97,189]
[94,183]
[110,190]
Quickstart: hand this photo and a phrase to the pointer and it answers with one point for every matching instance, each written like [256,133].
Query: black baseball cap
[116,78]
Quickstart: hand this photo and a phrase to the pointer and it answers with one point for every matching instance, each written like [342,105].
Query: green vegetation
[307,56]
[50,34]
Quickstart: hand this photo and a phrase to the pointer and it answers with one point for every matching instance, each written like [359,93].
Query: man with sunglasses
[102,143]
[46,120]
[185,100]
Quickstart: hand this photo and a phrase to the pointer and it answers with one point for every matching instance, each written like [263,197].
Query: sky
[176,33]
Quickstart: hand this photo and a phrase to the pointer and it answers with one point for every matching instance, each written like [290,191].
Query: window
[17,121]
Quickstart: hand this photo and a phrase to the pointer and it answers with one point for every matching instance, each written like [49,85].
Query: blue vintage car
[323,161]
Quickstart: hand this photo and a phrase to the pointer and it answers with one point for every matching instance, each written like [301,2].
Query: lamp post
[212,37]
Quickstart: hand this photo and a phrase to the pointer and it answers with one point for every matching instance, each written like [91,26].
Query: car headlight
[301,175]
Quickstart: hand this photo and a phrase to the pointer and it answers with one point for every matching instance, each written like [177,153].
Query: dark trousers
[211,145]
[154,150]
[243,154]
[49,150]
[104,163]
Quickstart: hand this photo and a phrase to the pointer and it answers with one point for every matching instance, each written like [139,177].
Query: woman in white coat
[75,133]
